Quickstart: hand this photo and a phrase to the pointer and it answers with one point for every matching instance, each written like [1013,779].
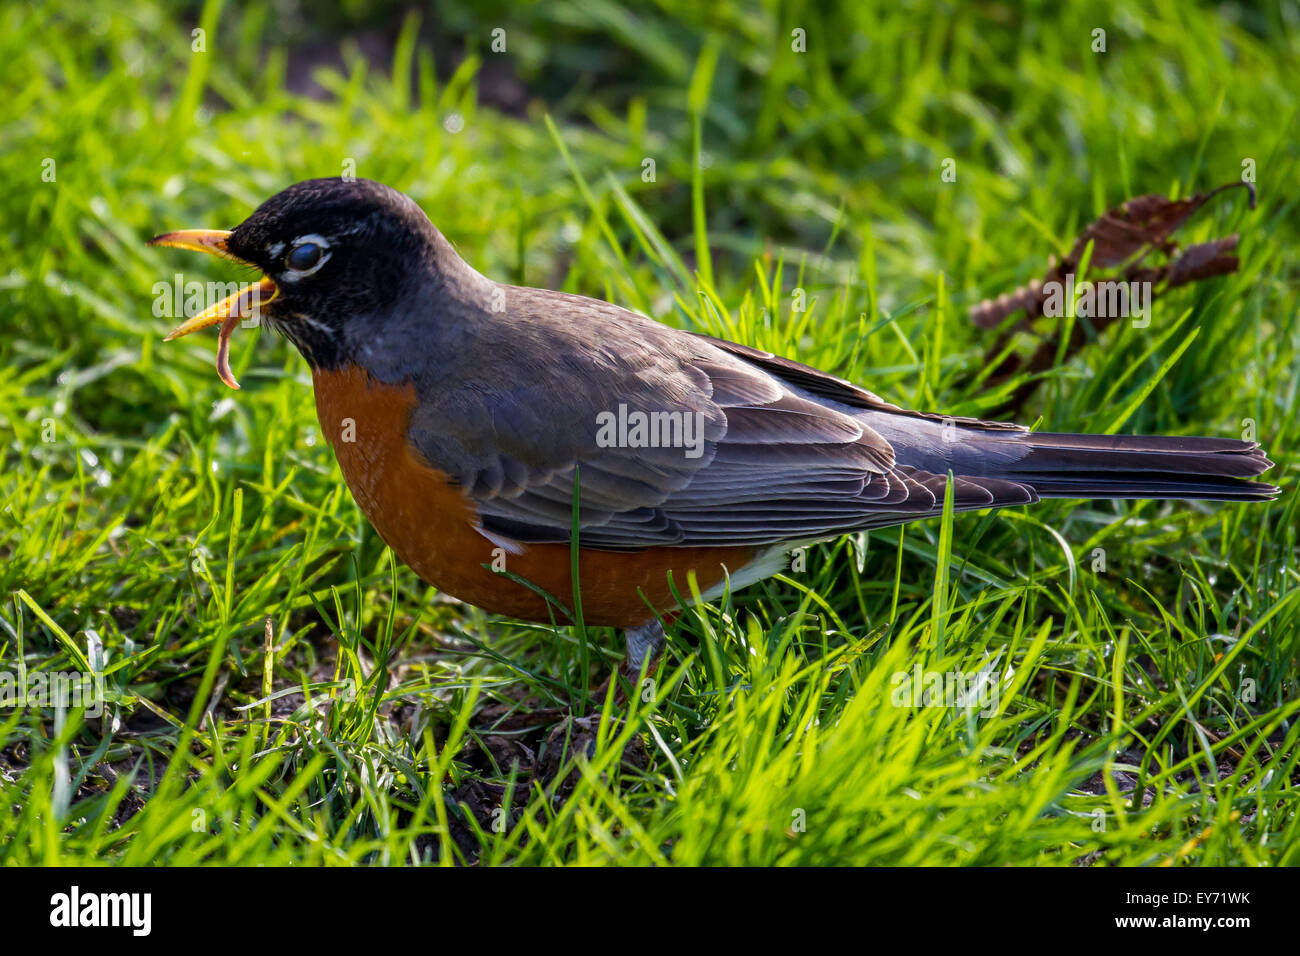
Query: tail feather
[1135,466]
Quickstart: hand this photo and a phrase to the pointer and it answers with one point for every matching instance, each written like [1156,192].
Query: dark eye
[303,256]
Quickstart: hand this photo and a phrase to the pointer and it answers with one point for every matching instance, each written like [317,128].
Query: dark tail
[1134,466]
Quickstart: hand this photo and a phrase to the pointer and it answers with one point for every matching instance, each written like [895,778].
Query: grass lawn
[280,690]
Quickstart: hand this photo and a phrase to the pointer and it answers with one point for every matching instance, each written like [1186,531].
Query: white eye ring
[310,239]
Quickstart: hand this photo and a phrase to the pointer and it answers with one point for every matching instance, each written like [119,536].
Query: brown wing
[782,456]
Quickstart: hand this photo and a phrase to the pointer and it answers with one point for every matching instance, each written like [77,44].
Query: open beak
[212,241]
[242,304]
[229,311]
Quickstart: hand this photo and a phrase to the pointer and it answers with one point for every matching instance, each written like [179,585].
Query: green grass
[1146,713]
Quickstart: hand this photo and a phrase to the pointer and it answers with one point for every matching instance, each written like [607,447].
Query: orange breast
[430,524]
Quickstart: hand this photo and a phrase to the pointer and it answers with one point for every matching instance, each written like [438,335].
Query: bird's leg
[644,642]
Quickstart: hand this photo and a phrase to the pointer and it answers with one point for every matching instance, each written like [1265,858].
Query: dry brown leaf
[1121,240]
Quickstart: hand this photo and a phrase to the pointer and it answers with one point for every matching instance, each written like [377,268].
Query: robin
[466,414]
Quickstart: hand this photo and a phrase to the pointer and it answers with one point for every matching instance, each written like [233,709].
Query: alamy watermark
[1107,299]
[637,429]
[179,299]
[959,690]
[53,689]
[75,908]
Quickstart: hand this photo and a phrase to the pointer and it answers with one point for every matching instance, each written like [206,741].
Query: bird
[480,425]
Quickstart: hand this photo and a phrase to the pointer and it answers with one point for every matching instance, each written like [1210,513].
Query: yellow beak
[242,304]
[211,241]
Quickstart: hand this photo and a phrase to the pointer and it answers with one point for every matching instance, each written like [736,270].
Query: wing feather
[783,452]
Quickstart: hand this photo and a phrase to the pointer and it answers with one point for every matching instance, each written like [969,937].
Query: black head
[339,251]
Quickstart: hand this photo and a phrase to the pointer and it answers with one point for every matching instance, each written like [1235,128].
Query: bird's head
[337,257]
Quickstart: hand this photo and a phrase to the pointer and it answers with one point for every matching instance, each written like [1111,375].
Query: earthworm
[223,348]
